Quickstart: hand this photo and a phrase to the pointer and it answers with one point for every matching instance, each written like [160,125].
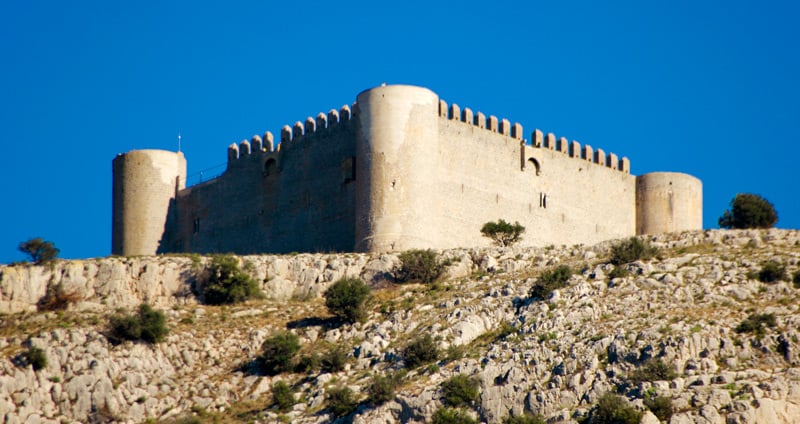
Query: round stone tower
[668,202]
[145,183]
[397,141]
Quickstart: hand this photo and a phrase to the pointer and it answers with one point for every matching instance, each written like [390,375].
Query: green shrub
[146,324]
[278,352]
[419,265]
[749,211]
[503,233]
[771,272]
[346,299]
[341,401]
[421,350]
[460,390]
[35,357]
[796,279]
[618,272]
[381,388]
[550,280]
[660,406]
[755,323]
[308,363]
[653,370]
[631,250]
[227,283]
[41,251]
[614,409]
[282,396]
[524,419]
[335,359]
[452,416]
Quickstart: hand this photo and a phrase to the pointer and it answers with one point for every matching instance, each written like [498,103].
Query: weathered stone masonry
[400,169]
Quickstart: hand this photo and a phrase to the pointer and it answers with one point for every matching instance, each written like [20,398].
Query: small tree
[147,324]
[503,233]
[749,211]
[631,250]
[419,265]
[341,401]
[282,396]
[227,283]
[460,390]
[278,352]
[381,388]
[41,251]
[420,351]
[346,298]
[551,280]
[614,409]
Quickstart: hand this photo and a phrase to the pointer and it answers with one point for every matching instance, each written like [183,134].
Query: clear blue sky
[710,88]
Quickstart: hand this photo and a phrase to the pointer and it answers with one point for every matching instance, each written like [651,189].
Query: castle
[399,170]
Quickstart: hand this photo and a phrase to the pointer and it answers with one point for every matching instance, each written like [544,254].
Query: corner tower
[397,142]
[668,202]
[145,183]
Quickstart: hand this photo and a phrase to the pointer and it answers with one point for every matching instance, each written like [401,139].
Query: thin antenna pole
[179,141]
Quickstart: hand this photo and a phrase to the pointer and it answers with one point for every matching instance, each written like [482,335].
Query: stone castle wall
[404,170]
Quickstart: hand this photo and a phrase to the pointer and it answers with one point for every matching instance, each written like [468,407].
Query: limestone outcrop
[553,356]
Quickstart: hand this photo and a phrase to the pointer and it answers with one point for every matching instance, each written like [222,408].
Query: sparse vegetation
[550,280]
[147,324]
[614,409]
[381,388]
[227,283]
[335,359]
[452,416]
[40,251]
[631,250]
[460,390]
[771,272]
[346,299]
[341,401]
[35,357]
[419,265]
[57,298]
[653,370]
[503,233]
[660,406]
[756,323]
[524,419]
[420,351]
[749,211]
[278,352]
[282,396]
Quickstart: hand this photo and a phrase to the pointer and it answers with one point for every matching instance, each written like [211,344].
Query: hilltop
[556,356]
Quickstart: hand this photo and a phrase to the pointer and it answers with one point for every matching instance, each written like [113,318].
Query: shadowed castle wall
[300,197]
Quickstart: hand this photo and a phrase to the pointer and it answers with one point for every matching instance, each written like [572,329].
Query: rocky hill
[608,330]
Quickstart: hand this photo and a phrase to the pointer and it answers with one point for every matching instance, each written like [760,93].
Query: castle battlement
[399,168]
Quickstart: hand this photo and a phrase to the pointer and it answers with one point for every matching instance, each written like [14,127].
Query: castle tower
[144,186]
[668,202]
[396,149]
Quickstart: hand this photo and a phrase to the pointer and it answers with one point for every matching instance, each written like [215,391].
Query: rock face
[553,357]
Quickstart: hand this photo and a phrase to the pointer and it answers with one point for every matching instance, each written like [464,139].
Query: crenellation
[455,112]
[563,145]
[310,126]
[333,117]
[537,138]
[480,120]
[550,141]
[467,116]
[322,121]
[298,130]
[625,165]
[269,142]
[516,131]
[256,143]
[345,113]
[442,108]
[505,127]
[233,152]
[612,161]
[492,124]
[244,148]
[587,153]
[574,149]
[600,157]
[286,134]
